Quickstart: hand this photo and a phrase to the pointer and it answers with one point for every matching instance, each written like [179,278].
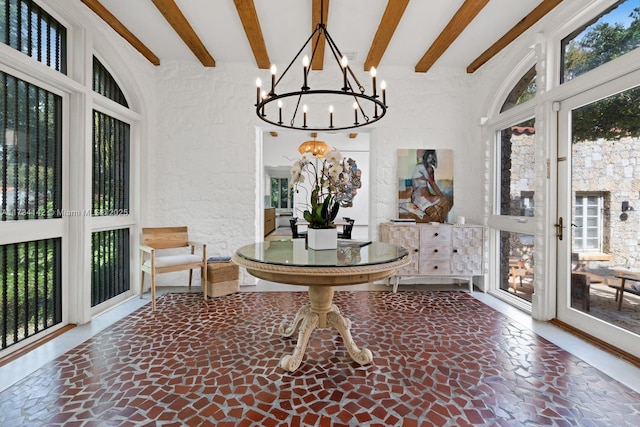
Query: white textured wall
[204,155]
[203,160]
[429,110]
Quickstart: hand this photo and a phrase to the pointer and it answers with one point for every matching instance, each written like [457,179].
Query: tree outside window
[281,197]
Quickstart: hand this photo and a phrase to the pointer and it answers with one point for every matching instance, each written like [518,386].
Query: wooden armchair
[158,238]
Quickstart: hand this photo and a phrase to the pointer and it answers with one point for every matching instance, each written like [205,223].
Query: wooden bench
[625,275]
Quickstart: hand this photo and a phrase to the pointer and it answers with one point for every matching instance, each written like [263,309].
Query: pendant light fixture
[307,107]
[316,148]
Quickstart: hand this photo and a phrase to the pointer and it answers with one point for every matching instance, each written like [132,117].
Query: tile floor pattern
[440,358]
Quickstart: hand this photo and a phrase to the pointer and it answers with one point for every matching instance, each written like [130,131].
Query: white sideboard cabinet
[437,250]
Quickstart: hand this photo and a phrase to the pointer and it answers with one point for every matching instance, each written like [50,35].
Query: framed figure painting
[425,184]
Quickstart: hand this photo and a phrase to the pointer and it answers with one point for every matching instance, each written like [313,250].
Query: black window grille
[26,27]
[30,298]
[109,265]
[104,84]
[111,161]
[30,151]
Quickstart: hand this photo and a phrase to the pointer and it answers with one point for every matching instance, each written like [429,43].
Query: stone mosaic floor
[440,358]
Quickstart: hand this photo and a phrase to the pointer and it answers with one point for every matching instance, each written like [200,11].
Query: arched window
[514,153]
[111,162]
[523,91]
[105,84]
[58,184]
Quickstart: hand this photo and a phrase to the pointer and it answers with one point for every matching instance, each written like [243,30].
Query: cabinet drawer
[440,251]
[434,235]
[435,266]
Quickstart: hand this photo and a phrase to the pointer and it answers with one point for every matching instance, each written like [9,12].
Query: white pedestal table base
[320,313]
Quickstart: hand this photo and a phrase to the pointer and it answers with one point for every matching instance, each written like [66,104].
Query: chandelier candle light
[352,95]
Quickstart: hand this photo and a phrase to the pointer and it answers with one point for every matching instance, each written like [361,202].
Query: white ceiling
[286,25]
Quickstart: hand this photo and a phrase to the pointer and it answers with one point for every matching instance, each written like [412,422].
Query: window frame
[289,198]
[600,219]
[78,101]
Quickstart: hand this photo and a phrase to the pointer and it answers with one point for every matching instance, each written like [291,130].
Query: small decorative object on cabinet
[438,250]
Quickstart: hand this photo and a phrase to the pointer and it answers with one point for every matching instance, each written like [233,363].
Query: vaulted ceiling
[407,33]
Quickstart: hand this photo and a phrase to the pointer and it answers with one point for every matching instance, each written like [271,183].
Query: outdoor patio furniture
[518,270]
[580,288]
[625,275]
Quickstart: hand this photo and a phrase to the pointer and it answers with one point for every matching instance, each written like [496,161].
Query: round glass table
[289,262]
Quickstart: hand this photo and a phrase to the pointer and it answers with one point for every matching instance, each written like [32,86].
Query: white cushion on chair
[171,260]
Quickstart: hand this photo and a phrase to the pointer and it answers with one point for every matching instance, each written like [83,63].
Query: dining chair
[295,234]
[347,229]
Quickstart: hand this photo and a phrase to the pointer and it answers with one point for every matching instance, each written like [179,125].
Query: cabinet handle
[435,267]
[416,250]
[435,234]
[435,250]
[455,251]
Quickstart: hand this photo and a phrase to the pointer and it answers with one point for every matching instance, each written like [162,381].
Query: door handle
[559,228]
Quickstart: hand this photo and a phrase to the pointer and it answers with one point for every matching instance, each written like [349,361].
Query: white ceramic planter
[322,238]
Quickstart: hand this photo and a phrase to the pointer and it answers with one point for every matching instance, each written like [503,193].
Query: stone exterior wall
[522,174]
[613,169]
[608,168]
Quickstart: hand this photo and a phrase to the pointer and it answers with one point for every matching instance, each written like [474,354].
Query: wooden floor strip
[635,360]
[26,349]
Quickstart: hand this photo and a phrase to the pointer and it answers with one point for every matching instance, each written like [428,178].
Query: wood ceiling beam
[121,29]
[387,27]
[176,19]
[249,18]
[536,14]
[317,63]
[462,18]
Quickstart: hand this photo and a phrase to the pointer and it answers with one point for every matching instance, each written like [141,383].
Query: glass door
[513,217]
[598,222]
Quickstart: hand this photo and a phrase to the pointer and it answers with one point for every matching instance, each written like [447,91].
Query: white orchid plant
[335,182]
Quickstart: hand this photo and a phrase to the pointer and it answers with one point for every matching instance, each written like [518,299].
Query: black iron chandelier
[342,108]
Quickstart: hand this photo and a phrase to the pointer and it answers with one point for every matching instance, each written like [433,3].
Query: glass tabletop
[292,252]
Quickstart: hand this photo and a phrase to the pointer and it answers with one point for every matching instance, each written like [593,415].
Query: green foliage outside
[611,118]
[281,197]
[529,92]
[617,116]
[109,264]
[30,294]
[30,150]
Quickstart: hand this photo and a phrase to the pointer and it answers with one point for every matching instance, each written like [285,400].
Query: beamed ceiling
[407,33]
